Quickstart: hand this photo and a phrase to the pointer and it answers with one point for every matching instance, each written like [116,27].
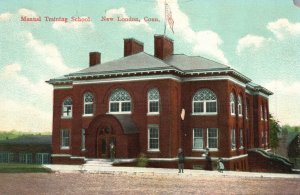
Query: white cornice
[158,77]
[128,79]
[55,87]
[213,78]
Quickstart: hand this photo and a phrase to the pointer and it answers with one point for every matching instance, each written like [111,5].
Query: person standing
[112,151]
[180,160]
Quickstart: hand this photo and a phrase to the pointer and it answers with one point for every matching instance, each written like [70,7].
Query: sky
[259,38]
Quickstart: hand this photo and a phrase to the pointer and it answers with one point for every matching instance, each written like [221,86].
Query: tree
[274,131]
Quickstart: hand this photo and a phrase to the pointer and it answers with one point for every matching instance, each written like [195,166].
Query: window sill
[83,150]
[65,148]
[241,148]
[213,149]
[87,115]
[153,114]
[198,150]
[153,150]
[232,114]
[240,115]
[204,114]
[66,117]
[119,113]
[233,149]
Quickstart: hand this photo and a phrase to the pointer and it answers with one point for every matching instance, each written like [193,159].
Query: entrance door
[104,141]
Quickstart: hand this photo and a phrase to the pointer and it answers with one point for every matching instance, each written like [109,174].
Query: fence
[25,157]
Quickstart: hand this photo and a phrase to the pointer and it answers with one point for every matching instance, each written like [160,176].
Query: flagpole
[165,18]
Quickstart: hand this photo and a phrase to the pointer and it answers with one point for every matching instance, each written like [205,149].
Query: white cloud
[5,16]
[284,103]
[27,12]
[15,113]
[121,12]
[282,28]
[250,41]
[11,70]
[204,42]
[48,53]
[73,25]
[23,117]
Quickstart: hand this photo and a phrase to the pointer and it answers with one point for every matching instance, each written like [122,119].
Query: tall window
[241,138]
[65,139]
[266,113]
[88,103]
[232,104]
[120,102]
[212,138]
[233,146]
[240,108]
[82,139]
[205,102]
[67,108]
[153,137]
[153,101]
[198,138]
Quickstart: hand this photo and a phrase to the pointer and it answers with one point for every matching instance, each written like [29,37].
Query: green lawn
[22,168]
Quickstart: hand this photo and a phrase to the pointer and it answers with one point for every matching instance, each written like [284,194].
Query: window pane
[198,138]
[212,138]
[198,107]
[211,106]
[114,107]
[241,137]
[233,138]
[126,106]
[65,138]
[153,106]
[88,108]
[153,138]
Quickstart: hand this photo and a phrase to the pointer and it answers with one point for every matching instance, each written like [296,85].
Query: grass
[22,168]
[14,134]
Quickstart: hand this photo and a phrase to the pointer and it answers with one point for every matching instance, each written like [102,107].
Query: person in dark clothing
[180,161]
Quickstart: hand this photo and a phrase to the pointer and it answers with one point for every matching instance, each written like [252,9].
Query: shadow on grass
[23,168]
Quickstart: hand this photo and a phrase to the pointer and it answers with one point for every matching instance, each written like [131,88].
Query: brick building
[156,104]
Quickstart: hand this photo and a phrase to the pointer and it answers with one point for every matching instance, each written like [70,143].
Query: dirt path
[77,183]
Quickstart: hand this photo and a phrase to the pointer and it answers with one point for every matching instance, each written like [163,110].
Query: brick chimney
[95,58]
[163,46]
[132,46]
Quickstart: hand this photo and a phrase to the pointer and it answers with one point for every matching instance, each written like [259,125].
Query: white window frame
[232,104]
[213,99]
[83,139]
[88,103]
[120,102]
[153,90]
[240,106]
[241,139]
[201,148]
[63,145]
[232,139]
[217,138]
[266,114]
[153,149]
[64,111]
[246,110]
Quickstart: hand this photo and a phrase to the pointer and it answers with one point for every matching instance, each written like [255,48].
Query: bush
[142,160]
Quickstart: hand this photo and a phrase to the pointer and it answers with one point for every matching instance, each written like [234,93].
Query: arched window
[120,102]
[205,102]
[67,108]
[88,103]
[240,108]
[153,101]
[232,104]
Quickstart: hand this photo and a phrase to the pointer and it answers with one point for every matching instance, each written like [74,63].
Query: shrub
[142,160]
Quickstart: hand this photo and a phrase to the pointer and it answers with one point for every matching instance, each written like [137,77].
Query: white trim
[87,115]
[77,157]
[158,77]
[57,87]
[229,78]
[128,79]
[61,155]
[149,101]
[88,103]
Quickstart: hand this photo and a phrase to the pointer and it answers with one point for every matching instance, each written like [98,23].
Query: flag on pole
[168,16]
